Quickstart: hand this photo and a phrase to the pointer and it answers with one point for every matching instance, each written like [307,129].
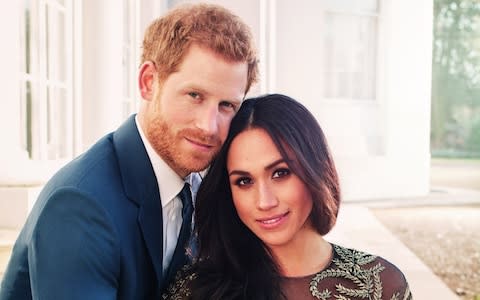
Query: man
[106,225]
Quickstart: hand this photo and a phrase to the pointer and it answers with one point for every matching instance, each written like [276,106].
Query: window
[46,79]
[130,56]
[350,49]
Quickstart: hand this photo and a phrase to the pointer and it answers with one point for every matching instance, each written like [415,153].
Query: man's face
[191,110]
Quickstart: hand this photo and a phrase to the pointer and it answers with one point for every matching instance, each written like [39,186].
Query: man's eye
[228,105]
[281,173]
[194,95]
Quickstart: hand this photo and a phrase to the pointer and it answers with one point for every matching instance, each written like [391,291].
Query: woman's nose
[266,197]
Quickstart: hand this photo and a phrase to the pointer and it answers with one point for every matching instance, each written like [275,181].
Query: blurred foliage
[456,78]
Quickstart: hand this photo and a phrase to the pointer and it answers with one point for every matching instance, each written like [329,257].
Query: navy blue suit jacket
[95,231]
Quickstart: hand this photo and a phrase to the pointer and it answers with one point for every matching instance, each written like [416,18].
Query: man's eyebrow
[192,86]
[197,88]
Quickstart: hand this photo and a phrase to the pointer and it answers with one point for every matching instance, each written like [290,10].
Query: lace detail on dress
[351,275]
[180,289]
[353,266]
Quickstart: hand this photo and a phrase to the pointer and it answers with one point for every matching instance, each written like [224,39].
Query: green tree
[456,74]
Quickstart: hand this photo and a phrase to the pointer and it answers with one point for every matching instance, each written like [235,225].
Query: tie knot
[186,197]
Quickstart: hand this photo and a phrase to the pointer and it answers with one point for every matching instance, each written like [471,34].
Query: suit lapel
[141,187]
[152,230]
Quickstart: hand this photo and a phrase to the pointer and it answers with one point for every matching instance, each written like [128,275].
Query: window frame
[377,54]
[44,136]
[131,56]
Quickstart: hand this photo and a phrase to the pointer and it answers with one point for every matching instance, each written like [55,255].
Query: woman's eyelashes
[276,174]
[242,181]
[280,173]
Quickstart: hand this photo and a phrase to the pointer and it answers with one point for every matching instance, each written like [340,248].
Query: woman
[261,213]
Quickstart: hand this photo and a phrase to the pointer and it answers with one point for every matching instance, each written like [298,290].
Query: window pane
[47,41]
[350,51]
[46,99]
[63,118]
[27,31]
[50,115]
[26,116]
[55,43]
[129,56]
[365,6]
[127,73]
[61,44]
[58,116]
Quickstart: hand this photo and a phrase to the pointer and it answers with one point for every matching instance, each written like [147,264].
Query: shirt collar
[169,183]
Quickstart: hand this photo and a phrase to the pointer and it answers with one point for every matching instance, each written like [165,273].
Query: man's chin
[198,168]
[194,165]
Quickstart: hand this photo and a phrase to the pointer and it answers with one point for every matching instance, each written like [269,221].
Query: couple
[112,223]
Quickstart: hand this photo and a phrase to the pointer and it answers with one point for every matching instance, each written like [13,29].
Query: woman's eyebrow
[273,164]
[238,172]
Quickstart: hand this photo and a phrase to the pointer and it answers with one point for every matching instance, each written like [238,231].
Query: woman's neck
[306,255]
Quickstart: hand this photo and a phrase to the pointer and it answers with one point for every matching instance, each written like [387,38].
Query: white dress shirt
[169,184]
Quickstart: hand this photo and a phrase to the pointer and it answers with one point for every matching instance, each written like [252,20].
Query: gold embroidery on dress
[351,266]
[180,289]
[348,264]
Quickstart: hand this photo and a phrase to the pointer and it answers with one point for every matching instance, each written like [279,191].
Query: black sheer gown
[351,275]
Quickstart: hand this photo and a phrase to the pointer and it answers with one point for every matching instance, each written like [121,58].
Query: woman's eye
[281,173]
[243,181]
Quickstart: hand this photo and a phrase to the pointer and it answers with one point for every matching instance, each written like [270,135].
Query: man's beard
[166,143]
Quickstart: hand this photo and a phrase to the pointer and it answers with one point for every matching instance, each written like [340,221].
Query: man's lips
[200,144]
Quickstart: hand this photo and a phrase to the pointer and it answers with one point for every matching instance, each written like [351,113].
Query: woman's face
[270,200]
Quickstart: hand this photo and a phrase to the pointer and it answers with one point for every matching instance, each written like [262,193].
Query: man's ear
[146,79]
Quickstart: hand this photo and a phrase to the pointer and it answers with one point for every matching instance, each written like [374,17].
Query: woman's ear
[146,79]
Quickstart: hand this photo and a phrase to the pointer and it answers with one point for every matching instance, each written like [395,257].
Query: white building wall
[381,148]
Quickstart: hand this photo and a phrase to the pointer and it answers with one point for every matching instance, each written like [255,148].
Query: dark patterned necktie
[179,255]
[187,210]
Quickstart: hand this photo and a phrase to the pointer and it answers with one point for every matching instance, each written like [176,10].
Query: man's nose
[207,119]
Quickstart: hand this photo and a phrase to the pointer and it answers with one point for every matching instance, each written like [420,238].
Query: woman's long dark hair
[233,263]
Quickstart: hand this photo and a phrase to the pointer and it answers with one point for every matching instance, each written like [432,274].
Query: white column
[103,84]
[408,94]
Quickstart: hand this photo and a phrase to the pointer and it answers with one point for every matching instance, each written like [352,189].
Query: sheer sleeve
[180,288]
[352,274]
[394,282]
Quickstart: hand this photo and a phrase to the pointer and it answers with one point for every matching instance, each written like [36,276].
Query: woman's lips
[273,221]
